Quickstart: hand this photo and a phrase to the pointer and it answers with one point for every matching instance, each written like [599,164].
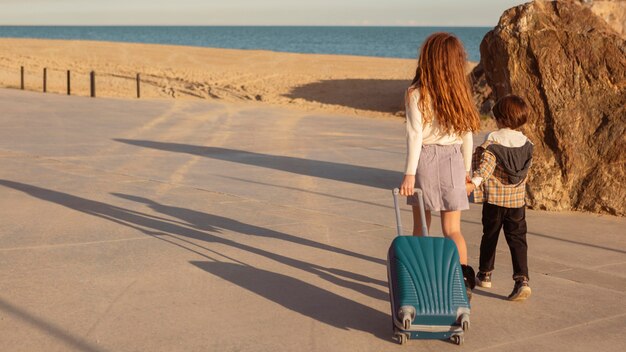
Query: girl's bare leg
[451,226]
[417,221]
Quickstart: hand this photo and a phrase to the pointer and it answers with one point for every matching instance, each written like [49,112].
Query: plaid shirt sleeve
[483,164]
[486,164]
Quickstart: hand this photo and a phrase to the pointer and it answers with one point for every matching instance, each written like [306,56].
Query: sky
[255,12]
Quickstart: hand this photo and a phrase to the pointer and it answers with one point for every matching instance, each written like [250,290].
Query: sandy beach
[331,83]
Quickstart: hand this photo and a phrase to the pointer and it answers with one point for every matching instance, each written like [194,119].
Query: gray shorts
[441,176]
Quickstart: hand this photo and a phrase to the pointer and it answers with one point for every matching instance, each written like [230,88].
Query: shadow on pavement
[553,238]
[480,292]
[209,222]
[303,298]
[361,175]
[75,342]
[175,232]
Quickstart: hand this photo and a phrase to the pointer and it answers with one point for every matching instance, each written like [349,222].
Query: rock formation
[570,66]
[482,92]
[611,11]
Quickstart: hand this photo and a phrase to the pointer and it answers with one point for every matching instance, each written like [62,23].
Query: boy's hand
[469,188]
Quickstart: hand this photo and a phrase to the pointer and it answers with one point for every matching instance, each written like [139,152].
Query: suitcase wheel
[406,323]
[457,339]
[401,338]
[465,322]
[406,315]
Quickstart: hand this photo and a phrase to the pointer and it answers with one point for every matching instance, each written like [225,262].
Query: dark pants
[514,222]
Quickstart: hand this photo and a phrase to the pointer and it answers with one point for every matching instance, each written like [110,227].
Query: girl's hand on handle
[408,185]
[469,188]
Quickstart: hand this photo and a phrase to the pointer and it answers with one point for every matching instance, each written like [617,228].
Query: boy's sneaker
[483,279]
[521,290]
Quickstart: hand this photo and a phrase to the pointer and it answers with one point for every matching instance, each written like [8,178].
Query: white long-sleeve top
[419,133]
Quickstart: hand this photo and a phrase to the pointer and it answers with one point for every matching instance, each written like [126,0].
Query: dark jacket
[514,161]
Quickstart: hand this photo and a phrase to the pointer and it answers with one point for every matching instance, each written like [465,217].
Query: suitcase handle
[420,198]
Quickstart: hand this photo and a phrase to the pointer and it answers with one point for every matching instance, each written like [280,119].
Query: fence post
[45,79]
[92,77]
[138,87]
[22,77]
[68,83]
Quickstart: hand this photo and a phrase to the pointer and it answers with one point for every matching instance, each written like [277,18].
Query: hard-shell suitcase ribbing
[426,287]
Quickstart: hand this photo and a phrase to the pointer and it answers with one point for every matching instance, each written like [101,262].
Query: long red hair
[444,86]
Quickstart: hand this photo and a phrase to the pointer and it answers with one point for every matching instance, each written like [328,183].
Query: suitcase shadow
[303,298]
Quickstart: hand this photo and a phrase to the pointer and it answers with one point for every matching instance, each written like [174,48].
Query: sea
[396,42]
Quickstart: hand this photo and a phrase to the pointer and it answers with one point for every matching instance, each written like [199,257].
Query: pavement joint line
[308,149]
[17,154]
[246,199]
[199,189]
[50,328]
[551,274]
[605,265]
[75,244]
[560,271]
[282,224]
[317,193]
[278,206]
[523,339]
[552,260]
[82,157]
[371,230]
[88,167]
[621,293]
[177,237]
[104,314]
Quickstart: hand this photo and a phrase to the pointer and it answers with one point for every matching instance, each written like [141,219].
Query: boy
[500,167]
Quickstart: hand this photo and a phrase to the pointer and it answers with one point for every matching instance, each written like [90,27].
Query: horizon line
[243,25]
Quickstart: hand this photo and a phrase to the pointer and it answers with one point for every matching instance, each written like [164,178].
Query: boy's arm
[484,165]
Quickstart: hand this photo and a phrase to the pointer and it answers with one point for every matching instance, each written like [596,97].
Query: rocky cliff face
[613,12]
[570,66]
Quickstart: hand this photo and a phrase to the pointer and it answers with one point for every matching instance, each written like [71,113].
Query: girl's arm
[414,138]
[414,135]
[467,148]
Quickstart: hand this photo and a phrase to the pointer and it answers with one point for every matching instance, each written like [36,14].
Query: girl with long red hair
[441,116]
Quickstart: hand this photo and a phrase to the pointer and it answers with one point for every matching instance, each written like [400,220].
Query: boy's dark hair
[511,111]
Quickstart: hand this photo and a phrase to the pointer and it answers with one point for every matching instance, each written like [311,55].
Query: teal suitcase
[426,288]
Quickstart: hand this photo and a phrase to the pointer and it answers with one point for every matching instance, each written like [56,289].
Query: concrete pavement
[195,226]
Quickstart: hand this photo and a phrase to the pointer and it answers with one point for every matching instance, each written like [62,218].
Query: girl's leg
[451,227]
[417,221]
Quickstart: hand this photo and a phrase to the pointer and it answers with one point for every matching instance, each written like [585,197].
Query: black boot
[469,277]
